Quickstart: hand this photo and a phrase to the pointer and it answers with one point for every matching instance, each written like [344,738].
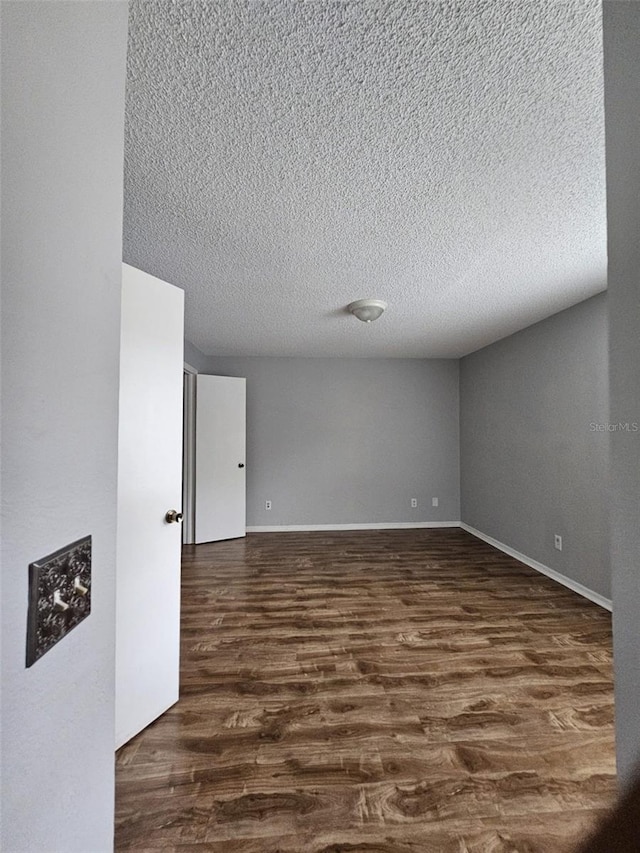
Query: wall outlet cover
[58,581]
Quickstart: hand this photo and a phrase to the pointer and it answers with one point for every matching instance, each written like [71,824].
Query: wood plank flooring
[375,692]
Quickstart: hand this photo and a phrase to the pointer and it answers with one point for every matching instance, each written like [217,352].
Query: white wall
[622,118]
[63,76]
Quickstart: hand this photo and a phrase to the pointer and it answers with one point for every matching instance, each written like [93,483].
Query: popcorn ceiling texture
[286,158]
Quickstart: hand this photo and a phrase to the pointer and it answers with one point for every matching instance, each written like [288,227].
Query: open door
[149,486]
[220,458]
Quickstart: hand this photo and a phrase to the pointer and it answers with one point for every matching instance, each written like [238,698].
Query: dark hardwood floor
[375,692]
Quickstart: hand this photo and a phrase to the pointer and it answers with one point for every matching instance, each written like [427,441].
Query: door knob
[240,464]
[173,515]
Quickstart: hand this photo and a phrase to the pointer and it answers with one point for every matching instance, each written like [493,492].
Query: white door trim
[189,457]
[383,525]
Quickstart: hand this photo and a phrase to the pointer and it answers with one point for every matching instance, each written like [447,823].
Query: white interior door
[149,484]
[220,458]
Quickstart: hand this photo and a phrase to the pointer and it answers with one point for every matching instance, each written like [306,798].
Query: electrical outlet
[557,542]
[414,502]
[267,504]
[434,501]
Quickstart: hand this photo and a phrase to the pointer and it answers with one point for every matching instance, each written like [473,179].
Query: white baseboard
[540,567]
[390,525]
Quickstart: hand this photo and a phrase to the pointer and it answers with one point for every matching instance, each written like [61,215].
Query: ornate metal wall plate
[59,596]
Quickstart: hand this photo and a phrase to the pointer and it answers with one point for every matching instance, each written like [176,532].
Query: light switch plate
[63,577]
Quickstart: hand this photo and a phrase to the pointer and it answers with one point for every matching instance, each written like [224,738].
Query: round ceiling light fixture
[367,310]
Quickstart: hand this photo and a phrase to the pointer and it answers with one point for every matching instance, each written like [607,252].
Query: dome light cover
[367,310]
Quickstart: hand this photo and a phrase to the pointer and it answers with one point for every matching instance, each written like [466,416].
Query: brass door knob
[173,515]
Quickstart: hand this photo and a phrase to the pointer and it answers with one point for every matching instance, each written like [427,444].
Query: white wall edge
[121,739]
[584,591]
[390,525]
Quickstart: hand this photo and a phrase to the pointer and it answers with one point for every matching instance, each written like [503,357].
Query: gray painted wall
[622,116]
[531,464]
[63,76]
[195,358]
[342,441]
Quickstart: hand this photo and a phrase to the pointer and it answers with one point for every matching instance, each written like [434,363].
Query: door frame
[189,456]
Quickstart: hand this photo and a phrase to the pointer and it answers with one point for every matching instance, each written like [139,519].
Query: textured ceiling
[286,158]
